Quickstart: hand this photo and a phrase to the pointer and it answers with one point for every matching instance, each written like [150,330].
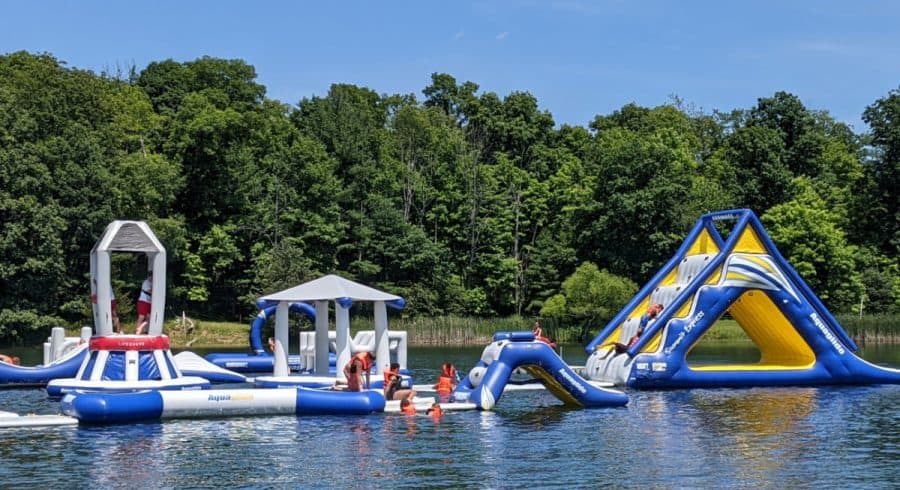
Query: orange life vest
[388,373]
[436,412]
[364,360]
[408,409]
[444,385]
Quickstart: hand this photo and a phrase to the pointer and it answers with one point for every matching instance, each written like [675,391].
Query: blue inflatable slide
[484,384]
[745,277]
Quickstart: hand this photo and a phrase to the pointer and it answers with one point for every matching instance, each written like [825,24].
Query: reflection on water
[729,438]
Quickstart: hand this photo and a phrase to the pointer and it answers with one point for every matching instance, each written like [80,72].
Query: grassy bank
[479,331]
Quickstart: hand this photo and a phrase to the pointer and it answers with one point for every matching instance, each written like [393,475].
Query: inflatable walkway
[744,276]
[485,383]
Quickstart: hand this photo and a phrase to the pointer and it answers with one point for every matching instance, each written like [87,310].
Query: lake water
[727,438]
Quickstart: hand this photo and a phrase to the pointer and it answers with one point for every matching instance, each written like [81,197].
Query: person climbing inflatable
[360,364]
[407,407]
[447,380]
[652,312]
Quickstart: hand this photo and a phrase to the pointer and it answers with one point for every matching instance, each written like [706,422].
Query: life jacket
[364,359]
[408,409]
[435,412]
[388,373]
[444,384]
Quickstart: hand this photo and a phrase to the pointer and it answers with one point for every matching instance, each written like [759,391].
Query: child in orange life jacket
[406,407]
[435,411]
[447,380]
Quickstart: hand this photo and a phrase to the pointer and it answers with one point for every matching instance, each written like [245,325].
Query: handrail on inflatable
[267,308]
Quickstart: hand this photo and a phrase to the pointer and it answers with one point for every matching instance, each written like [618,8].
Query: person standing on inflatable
[143,304]
[359,364]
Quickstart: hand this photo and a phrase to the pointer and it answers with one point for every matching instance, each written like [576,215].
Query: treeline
[463,201]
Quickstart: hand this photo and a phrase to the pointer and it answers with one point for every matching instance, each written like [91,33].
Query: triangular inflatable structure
[745,276]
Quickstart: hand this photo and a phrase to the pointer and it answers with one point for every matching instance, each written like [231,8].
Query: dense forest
[463,201]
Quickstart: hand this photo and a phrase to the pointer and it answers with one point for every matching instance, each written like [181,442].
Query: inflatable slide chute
[485,384]
[746,277]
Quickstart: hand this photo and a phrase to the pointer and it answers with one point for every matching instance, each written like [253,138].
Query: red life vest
[408,409]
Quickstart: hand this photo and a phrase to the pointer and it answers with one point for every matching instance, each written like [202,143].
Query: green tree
[807,232]
[590,297]
[882,206]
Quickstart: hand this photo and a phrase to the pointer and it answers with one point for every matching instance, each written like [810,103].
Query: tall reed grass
[872,328]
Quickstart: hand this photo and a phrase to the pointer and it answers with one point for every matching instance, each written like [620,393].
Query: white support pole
[402,344]
[382,346]
[104,326]
[158,301]
[94,309]
[281,340]
[132,372]
[342,338]
[322,338]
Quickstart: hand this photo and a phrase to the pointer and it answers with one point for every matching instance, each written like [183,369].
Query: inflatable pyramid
[744,276]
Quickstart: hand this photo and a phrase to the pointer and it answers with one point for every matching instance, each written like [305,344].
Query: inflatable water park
[745,277]
[106,377]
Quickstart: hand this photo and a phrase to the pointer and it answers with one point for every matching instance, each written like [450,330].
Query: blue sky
[579,58]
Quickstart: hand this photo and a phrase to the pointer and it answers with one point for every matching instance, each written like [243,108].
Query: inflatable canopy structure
[343,292]
[744,276]
[127,236]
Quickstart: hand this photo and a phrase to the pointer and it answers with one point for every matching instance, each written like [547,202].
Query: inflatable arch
[799,340]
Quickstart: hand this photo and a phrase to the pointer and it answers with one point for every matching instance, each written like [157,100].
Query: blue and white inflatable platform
[120,363]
